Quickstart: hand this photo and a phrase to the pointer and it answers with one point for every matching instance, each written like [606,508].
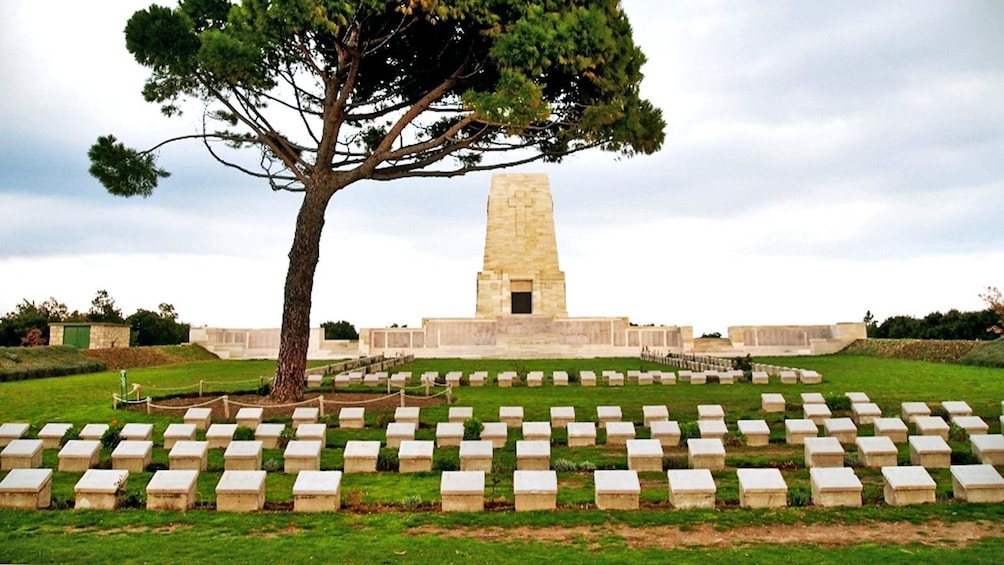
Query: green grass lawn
[381,525]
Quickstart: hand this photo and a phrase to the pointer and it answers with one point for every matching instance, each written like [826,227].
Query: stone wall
[102,336]
[247,343]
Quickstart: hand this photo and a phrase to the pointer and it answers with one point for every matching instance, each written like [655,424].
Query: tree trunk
[303,256]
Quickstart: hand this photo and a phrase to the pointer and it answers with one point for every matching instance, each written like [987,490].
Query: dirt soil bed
[670,537]
[373,402]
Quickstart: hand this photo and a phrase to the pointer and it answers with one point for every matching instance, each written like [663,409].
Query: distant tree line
[953,324]
[28,323]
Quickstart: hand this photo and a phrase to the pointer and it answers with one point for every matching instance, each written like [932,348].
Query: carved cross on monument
[520,201]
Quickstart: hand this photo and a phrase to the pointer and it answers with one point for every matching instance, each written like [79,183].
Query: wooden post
[115,401]
[401,394]
[139,389]
[226,407]
[201,384]
[320,405]
[426,388]
[449,394]
[261,382]
[148,408]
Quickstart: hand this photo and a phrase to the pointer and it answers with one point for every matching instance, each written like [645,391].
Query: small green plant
[799,497]
[285,436]
[565,466]
[838,402]
[133,499]
[689,430]
[675,462]
[573,376]
[412,501]
[110,439]
[588,466]
[383,419]
[273,465]
[243,433]
[964,458]
[957,433]
[851,460]
[734,438]
[446,460]
[744,364]
[387,460]
[265,388]
[71,434]
[473,428]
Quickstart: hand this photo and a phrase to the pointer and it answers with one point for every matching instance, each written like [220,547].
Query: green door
[77,336]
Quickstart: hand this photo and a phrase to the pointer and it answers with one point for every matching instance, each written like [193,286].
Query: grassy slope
[29,536]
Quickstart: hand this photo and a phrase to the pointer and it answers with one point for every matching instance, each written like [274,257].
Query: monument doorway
[522,297]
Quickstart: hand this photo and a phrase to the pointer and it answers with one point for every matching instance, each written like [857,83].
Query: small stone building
[88,335]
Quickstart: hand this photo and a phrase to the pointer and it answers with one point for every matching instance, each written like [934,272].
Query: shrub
[446,460]
[838,402]
[851,460]
[473,428]
[744,364]
[957,433]
[587,466]
[71,434]
[689,430]
[412,501]
[133,499]
[383,419]
[110,439]
[573,376]
[734,438]
[273,465]
[964,458]
[387,460]
[675,462]
[565,466]
[799,496]
[243,433]
[285,436]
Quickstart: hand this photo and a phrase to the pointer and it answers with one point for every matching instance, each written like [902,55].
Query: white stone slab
[535,482]
[616,482]
[360,456]
[908,485]
[352,417]
[893,428]
[189,455]
[608,414]
[818,413]
[496,432]
[12,430]
[972,424]
[931,452]
[772,402]
[93,431]
[537,431]
[644,455]
[931,426]
[957,408]
[706,454]
[857,397]
[249,416]
[619,432]
[712,428]
[243,455]
[654,414]
[458,414]
[530,448]
[788,377]
[823,452]
[511,415]
[137,432]
[407,414]
[835,486]
[760,377]
[317,491]
[762,488]
[757,432]
[398,432]
[51,433]
[171,490]
[691,488]
[416,449]
[268,434]
[476,448]
[78,455]
[241,491]
[219,436]
[989,448]
[710,412]
[841,428]
[304,449]
[562,415]
[133,455]
[667,432]
[865,412]
[305,415]
[100,488]
[813,398]
[796,430]
[462,482]
[875,452]
[178,432]
[26,489]
[449,434]
[581,434]
[977,483]
[317,432]
[911,410]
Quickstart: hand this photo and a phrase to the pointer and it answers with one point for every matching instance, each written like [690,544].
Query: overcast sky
[821,159]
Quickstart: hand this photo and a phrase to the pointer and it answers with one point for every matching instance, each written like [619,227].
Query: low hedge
[22,363]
